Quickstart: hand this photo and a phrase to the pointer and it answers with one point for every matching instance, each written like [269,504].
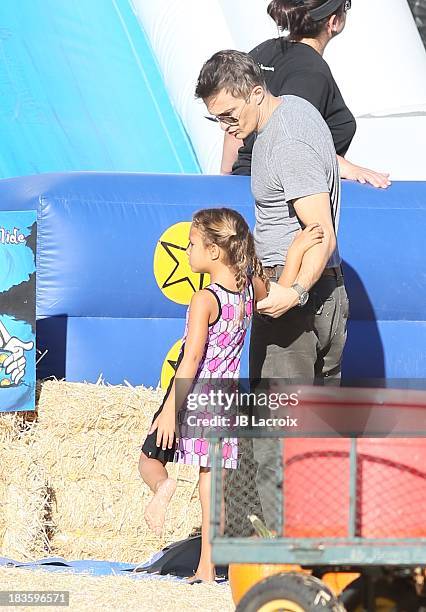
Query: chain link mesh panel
[301,488]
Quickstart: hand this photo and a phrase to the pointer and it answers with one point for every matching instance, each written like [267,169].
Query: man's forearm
[314,262]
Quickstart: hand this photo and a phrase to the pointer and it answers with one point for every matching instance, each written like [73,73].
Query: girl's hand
[312,234]
[165,426]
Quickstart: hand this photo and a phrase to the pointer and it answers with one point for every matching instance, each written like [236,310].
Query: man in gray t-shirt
[295,183]
[293,157]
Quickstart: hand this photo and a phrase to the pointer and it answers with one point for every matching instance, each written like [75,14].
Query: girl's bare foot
[155,512]
[203,574]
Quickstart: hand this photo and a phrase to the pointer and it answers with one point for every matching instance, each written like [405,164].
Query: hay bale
[119,593]
[9,433]
[10,426]
[23,492]
[25,512]
[88,440]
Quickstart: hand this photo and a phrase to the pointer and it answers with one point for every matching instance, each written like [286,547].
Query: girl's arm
[203,309]
[310,236]
[260,290]
[304,240]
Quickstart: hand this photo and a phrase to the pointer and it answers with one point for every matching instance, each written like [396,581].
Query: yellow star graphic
[171,265]
[182,272]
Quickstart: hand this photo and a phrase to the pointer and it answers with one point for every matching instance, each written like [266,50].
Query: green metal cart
[330,506]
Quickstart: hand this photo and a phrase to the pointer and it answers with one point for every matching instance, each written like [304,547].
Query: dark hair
[229,230]
[235,72]
[294,16]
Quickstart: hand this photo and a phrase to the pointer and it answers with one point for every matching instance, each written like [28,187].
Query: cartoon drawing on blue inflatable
[17,310]
[12,357]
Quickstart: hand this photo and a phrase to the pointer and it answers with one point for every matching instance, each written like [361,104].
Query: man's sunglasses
[227,119]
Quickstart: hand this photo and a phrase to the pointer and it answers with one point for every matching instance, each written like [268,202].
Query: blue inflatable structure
[82,90]
[101,309]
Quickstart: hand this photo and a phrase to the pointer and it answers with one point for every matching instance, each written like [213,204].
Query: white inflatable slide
[379,63]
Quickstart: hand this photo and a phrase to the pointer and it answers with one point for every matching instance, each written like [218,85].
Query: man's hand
[279,301]
[15,363]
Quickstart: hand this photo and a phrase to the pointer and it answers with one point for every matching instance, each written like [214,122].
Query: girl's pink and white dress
[221,360]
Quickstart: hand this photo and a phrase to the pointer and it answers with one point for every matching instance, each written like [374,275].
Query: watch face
[303,294]
[304,297]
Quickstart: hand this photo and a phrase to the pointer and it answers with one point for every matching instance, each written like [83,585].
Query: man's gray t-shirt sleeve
[299,170]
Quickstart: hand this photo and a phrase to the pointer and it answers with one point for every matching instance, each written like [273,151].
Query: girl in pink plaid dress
[221,245]
[221,360]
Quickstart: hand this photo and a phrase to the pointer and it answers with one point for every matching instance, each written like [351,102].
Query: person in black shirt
[295,65]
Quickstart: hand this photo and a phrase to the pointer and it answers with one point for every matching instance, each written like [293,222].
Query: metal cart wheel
[290,592]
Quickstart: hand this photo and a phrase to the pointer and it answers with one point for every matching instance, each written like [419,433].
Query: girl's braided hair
[229,230]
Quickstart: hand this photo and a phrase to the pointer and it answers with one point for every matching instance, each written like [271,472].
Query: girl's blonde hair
[229,230]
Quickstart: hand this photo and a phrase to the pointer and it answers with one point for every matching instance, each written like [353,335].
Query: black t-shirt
[299,70]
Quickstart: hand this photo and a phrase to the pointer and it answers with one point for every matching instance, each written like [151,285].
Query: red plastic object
[391,487]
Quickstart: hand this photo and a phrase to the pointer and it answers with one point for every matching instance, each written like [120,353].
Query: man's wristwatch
[303,294]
